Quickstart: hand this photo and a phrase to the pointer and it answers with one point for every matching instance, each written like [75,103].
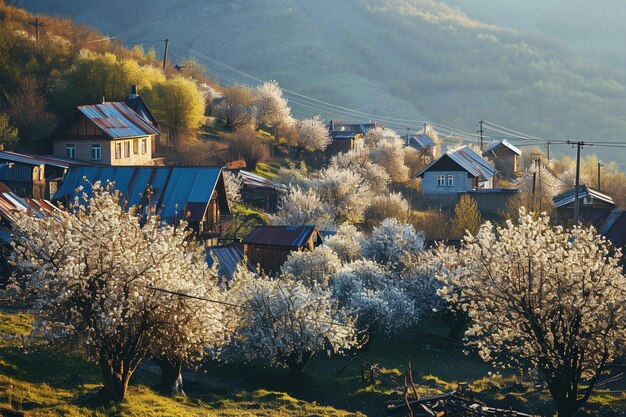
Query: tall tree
[542,296]
[92,272]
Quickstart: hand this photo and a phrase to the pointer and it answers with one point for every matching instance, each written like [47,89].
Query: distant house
[107,134]
[422,143]
[259,192]
[196,194]
[269,246]
[229,258]
[33,176]
[505,156]
[345,137]
[458,170]
[592,203]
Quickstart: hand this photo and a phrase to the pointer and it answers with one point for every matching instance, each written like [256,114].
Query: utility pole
[37,25]
[480,132]
[578,145]
[165,52]
[600,164]
[548,146]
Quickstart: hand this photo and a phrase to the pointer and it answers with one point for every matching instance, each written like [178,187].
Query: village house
[194,194]
[258,191]
[269,246]
[592,204]
[109,134]
[136,103]
[33,176]
[346,137]
[505,157]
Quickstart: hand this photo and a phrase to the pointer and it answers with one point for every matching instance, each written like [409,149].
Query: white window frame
[96,152]
[441,180]
[70,151]
[450,180]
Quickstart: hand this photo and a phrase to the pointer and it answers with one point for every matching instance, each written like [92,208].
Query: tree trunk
[171,376]
[297,360]
[565,408]
[115,382]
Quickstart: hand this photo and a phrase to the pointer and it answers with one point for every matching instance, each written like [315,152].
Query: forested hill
[402,58]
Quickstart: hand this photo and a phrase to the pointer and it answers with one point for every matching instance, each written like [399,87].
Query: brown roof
[290,236]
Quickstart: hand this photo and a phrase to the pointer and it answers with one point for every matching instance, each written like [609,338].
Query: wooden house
[269,246]
[505,156]
[592,203]
[33,176]
[107,134]
[195,194]
[346,137]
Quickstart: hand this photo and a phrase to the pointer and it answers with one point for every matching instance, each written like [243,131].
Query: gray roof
[421,141]
[567,197]
[504,143]
[470,161]
[117,120]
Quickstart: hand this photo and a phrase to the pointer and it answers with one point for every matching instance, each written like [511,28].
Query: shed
[259,192]
[196,194]
[269,246]
[33,176]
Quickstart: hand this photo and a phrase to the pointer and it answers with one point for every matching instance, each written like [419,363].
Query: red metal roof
[117,120]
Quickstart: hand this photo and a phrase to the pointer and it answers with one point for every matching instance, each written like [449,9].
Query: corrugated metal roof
[343,135]
[252,180]
[291,236]
[350,127]
[117,120]
[504,143]
[228,259]
[469,161]
[39,160]
[11,203]
[567,197]
[421,141]
[173,189]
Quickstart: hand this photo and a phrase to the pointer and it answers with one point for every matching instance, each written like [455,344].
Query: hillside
[417,59]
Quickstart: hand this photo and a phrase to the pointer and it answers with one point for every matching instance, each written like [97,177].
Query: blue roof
[228,257]
[290,236]
[175,190]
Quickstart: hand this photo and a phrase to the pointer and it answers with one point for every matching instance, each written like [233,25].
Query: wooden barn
[269,246]
[505,156]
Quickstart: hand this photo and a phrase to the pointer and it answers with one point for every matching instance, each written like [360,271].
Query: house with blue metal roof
[194,194]
[108,133]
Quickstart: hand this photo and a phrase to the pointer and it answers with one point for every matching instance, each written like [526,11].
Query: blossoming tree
[285,322]
[91,272]
[542,296]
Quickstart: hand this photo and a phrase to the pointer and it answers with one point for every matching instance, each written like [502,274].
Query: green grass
[268,170]
[42,382]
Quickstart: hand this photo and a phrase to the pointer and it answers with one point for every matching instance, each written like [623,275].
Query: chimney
[133,89]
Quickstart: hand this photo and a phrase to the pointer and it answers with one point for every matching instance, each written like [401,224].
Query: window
[127,149]
[118,150]
[70,151]
[450,180]
[96,152]
[441,180]
[144,146]
[135,146]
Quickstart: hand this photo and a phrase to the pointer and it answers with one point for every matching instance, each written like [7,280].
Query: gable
[445,163]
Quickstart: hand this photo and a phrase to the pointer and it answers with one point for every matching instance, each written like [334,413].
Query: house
[229,258]
[346,137]
[33,176]
[259,192]
[613,227]
[505,156]
[458,170]
[108,134]
[195,194]
[592,203]
[422,143]
[10,204]
[136,103]
[269,246]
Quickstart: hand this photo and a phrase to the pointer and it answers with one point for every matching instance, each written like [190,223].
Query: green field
[40,382]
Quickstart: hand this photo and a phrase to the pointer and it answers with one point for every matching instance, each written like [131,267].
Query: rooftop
[504,143]
[567,197]
[117,120]
[291,236]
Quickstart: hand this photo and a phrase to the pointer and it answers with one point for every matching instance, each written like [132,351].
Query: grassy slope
[49,384]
